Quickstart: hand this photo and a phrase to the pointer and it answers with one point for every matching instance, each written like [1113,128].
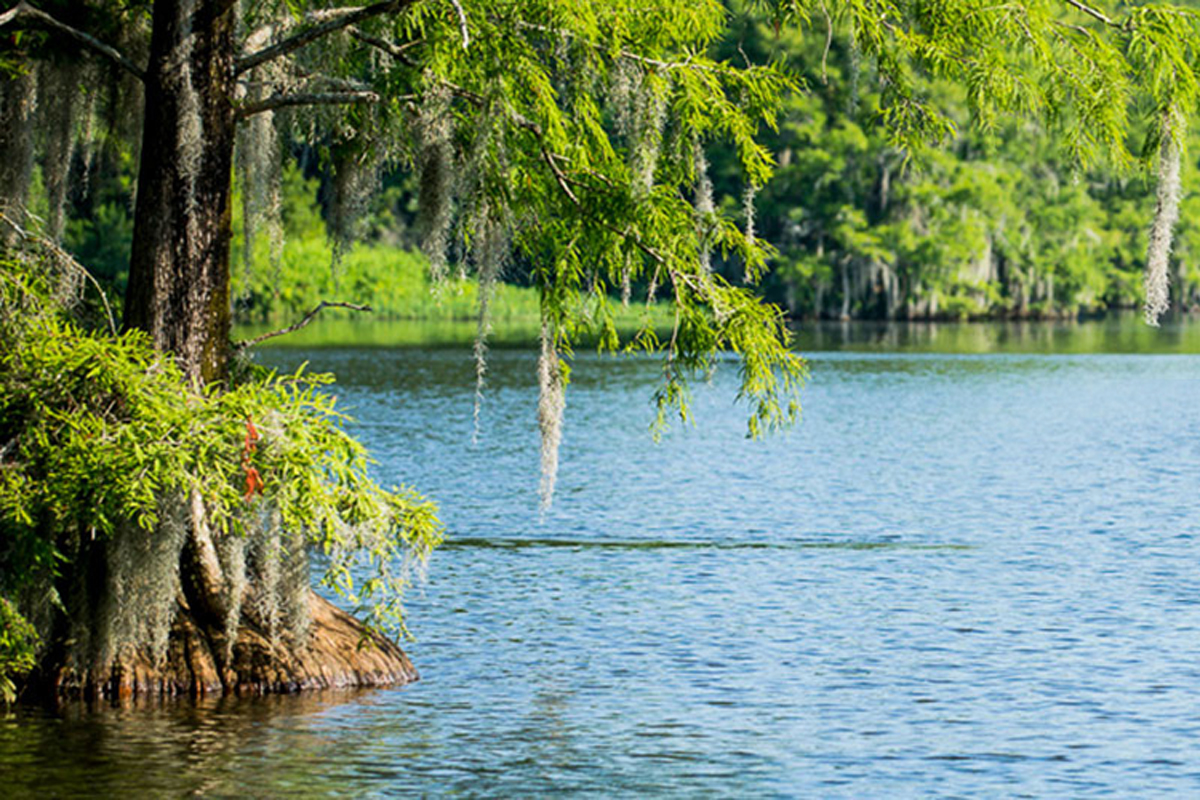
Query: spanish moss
[231,550]
[490,252]
[552,401]
[259,172]
[87,132]
[624,86]
[1166,213]
[57,108]
[436,168]
[749,195]
[142,588]
[649,118]
[627,280]
[191,123]
[355,179]
[277,570]
[18,102]
[705,209]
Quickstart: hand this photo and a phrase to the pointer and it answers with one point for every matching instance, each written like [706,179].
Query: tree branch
[303,322]
[285,100]
[559,176]
[334,23]
[1091,12]
[626,54]
[462,23]
[24,10]
[396,51]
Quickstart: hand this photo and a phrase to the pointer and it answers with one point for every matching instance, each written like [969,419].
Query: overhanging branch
[1092,12]
[335,22]
[625,54]
[396,51]
[304,321]
[550,158]
[306,99]
[23,10]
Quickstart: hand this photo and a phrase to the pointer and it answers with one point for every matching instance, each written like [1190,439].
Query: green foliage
[97,430]
[588,116]
[1031,212]
[103,240]
[18,649]
[579,124]
[393,279]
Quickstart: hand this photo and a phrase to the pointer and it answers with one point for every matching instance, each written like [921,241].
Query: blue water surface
[960,575]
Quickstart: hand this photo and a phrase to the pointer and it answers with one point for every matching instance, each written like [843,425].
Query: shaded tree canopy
[566,136]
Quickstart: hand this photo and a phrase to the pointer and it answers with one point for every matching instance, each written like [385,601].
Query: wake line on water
[507,543]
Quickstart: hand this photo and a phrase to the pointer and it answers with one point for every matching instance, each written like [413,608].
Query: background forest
[996,222]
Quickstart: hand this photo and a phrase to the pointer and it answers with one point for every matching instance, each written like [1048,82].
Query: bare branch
[26,11]
[626,54]
[828,43]
[286,100]
[304,321]
[396,51]
[334,22]
[1091,12]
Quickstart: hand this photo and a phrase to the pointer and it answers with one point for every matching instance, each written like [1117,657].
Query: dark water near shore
[961,575]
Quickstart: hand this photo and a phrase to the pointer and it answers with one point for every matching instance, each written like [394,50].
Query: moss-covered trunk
[179,293]
[179,270]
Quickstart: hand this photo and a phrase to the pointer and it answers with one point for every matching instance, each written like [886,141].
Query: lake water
[963,574]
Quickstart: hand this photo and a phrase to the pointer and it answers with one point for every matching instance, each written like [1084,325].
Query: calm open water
[961,575]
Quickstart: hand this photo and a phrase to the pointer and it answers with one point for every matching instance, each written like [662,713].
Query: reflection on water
[1123,332]
[507,543]
[217,746]
[962,575]
[1119,332]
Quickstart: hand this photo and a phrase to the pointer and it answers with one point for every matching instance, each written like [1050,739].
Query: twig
[1071,26]
[462,23]
[626,54]
[396,51]
[1091,12]
[285,100]
[23,9]
[304,321]
[828,44]
[336,22]
[558,176]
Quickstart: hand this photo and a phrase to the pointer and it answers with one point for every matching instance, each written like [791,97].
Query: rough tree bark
[178,292]
[179,270]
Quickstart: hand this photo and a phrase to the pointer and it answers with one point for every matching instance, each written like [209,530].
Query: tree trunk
[179,270]
[178,292]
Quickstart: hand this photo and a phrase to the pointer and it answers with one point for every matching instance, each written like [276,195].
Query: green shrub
[100,436]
